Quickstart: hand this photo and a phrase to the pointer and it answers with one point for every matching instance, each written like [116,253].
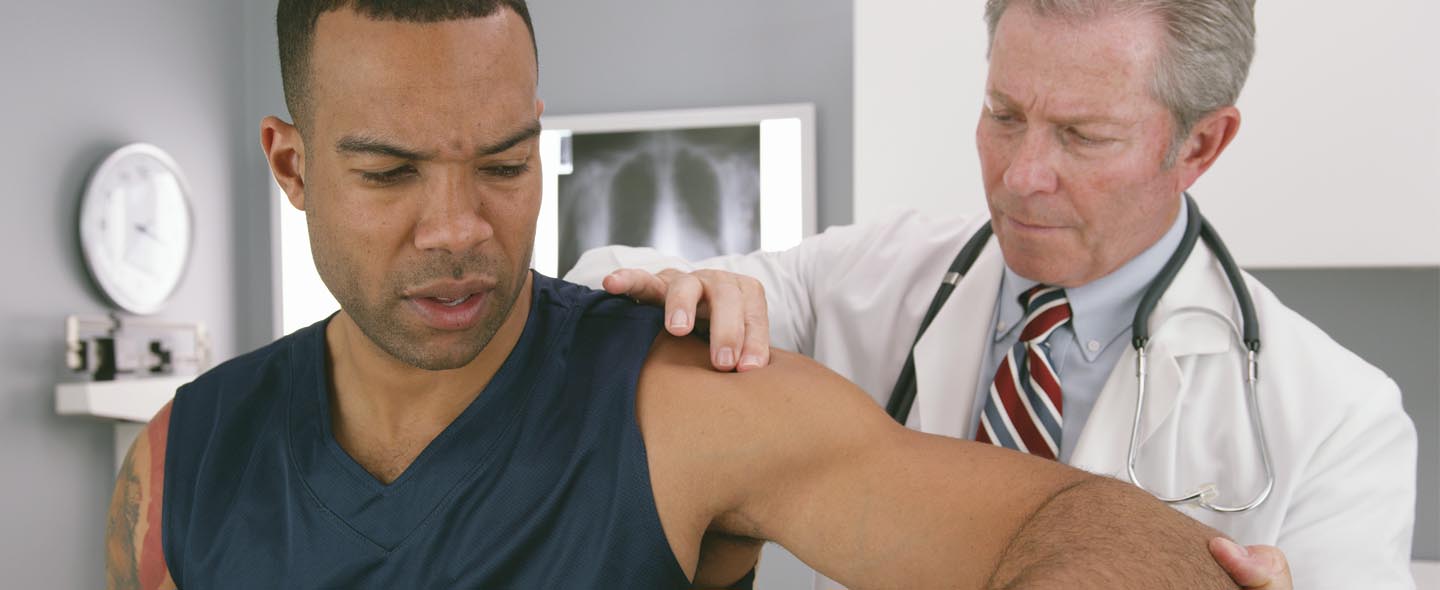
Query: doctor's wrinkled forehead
[295,22]
[1207,54]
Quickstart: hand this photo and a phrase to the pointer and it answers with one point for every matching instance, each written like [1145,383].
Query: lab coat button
[1094,346]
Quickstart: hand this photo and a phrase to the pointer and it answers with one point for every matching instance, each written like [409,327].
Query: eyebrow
[370,144]
[998,96]
[1006,101]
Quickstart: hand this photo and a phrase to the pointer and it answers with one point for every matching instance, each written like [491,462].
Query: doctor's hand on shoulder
[733,306]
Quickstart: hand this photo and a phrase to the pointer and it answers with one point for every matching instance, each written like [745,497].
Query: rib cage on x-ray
[693,193]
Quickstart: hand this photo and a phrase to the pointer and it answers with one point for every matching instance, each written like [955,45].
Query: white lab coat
[1343,448]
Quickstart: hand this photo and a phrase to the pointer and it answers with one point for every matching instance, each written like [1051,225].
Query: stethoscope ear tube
[902,396]
[1140,327]
[1251,325]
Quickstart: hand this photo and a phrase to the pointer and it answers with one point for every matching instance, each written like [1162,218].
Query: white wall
[1340,136]
[919,80]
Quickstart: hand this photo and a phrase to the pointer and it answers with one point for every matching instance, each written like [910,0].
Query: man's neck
[379,403]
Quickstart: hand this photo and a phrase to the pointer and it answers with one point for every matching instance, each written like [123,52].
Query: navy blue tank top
[542,482]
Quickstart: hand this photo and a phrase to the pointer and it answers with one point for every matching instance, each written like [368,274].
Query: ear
[1208,139]
[539,108]
[285,151]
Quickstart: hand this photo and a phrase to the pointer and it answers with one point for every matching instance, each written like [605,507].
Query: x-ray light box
[695,183]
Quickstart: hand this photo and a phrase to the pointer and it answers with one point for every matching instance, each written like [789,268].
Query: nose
[452,216]
[1031,170]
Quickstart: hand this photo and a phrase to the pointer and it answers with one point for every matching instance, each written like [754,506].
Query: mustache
[440,267]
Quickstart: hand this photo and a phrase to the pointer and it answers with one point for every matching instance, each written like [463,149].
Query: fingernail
[680,319]
[726,357]
[749,361]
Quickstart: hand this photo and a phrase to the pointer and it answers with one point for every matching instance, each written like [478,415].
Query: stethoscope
[1197,228]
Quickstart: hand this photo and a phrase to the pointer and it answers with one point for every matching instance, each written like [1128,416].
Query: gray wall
[1390,317]
[82,77]
[259,94]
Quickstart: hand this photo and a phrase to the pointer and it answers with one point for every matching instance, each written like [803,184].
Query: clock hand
[145,231]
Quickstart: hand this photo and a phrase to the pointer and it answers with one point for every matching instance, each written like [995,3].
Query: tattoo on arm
[134,558]
[122,557]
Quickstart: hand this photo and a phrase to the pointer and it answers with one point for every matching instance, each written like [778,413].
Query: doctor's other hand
[733,304]
[1257,567]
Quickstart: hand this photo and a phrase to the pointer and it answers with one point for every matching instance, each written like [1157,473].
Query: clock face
[135,227]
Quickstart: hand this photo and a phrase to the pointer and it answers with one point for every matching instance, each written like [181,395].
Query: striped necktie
[1023,408]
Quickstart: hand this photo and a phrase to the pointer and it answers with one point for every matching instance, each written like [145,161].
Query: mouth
[451,302]
[450,306]
[1023,226]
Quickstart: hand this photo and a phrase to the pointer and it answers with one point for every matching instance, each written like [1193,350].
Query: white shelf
[128,400]
[1427,574]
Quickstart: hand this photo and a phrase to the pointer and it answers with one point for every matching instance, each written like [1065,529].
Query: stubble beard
[383,321]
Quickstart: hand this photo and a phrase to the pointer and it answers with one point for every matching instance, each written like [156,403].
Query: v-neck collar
[387,515]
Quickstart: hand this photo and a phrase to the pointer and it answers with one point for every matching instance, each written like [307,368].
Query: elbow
[1098,532]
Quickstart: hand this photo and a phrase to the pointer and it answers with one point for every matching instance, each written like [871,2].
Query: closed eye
[1001,117]
[389,177]
[1084,139]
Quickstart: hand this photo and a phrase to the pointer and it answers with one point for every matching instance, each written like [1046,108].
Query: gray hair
[1209,46]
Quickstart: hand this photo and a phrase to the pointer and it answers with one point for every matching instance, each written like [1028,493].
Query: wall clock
[136,227]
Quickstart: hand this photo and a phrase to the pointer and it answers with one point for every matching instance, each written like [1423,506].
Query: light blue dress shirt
[1084,351]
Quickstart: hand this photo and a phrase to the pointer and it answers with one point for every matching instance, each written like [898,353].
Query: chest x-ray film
[694,193]
[698,186]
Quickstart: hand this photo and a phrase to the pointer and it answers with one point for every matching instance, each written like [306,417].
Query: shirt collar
[1103,309]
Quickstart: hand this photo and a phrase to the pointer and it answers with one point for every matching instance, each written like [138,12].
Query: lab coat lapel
[949,357]
[1105,441]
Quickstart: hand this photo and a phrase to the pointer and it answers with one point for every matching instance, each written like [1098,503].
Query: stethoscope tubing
[1197,229]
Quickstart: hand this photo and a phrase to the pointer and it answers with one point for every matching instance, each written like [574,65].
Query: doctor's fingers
[1257,567]
[683,295]
[739,320]
[640,285]
[735,307]
[756,353]
[726,303]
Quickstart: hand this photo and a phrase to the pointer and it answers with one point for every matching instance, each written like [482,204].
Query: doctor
[1098,115]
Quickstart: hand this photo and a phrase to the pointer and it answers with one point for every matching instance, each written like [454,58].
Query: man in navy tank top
[463,422]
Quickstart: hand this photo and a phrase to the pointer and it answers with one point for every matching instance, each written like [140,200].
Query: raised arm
[797,455]
[134,559]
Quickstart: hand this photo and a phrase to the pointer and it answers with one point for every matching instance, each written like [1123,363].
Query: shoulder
[737,427]
[260,373]
[1306,366]
[680,368]
[589,303]
[134,552]
[716,442]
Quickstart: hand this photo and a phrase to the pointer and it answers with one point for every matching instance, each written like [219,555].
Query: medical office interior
[1327,196]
